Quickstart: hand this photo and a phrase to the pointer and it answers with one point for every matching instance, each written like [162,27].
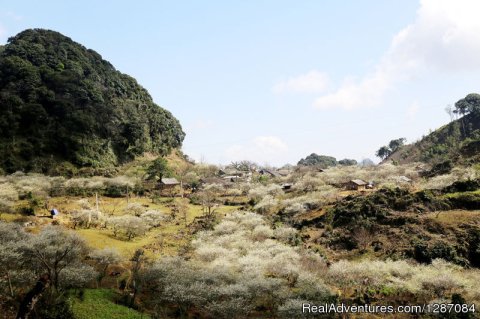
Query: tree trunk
[10,285]
[31,298]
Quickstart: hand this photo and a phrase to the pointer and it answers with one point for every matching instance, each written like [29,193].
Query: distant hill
[324,161]
[458,142]
[62,104]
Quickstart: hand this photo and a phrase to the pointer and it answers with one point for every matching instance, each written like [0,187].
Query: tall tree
[383,152]
[158,169]
[396,144]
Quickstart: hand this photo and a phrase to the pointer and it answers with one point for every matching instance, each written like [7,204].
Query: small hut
[356,184]
[269,172]
[168,183]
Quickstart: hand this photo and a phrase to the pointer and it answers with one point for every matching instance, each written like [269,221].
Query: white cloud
[261,149]
[311,82]
[443,38]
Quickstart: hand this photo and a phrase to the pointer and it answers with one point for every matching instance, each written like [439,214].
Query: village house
[269,172]
[284,172]
[168,183]
[356,184]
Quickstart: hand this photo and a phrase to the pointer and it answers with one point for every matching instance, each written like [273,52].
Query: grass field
[164,240]
[100,304]
[455,217]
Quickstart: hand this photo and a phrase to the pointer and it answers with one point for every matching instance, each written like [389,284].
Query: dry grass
[455,217]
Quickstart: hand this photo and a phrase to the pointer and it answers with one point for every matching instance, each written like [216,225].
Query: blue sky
[273,81]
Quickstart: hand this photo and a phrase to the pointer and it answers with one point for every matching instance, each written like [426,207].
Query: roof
[169,181]
[230,172]
[270,172]
[212,180]
[404,179]
[284,172]
[358,182]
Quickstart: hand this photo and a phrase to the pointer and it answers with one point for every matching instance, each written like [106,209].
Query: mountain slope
[458,141]
[61,102]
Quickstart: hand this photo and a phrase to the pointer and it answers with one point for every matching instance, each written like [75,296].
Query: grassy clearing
[458,194]
[455,217]
[173,234]
[166,239]
[99,303]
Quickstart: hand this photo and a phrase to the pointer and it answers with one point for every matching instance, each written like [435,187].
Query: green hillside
[457,142]
[62,104]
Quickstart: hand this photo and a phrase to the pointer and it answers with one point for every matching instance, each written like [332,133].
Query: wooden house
[356,184]
[167,183]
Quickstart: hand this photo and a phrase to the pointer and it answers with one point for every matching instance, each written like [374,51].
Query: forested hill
[62,104]
[456,142]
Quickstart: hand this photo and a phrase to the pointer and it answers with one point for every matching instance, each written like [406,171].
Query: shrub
[267,205]
[6,206]
[8,191]
[135,209]
[260,192]
[128,226]
[153,218]
[261,232]
[86,218]
[287,235]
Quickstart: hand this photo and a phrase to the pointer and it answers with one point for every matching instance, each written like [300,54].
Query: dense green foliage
[61,102]
[347,162]
[392,147]
[158,169]
[324,161]
[318,160]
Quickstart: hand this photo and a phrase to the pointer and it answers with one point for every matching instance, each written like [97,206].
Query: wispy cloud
[311,82]
[443,38]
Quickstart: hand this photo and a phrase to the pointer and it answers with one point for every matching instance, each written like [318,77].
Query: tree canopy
[318,160]
[385,151]
[61,102]
[469,104]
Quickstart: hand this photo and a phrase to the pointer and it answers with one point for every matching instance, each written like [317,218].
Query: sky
[273,81]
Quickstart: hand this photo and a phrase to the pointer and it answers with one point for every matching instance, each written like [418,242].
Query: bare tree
[56,256]
[364,237]
[209,201]
[128,226]
[104,258]
[137,261]
[449,110]
[180,206]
